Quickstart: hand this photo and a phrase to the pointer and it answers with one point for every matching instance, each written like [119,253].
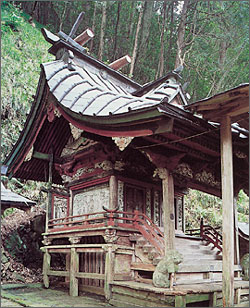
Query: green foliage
[8,212]
[201,205]
[243,207]
[23,50]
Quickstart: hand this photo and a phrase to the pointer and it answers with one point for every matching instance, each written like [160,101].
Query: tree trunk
[170,41]
[136,41]
[93,26]
[146,23]
[103,26]
[181,35]
[161,59]
[116,29]
[131,24]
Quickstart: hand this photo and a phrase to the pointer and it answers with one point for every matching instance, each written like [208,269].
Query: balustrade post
[136,217]
[201,227]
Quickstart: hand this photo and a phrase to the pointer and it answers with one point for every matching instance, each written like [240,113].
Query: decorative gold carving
[208,178]
[77,175]
[60,207]
[46,241]
[91,200]
[66,178]
[240,154]
[120,195]
[110,236]
[57,113]
[157,208]
[161,172]
[122,142]
[76,132]
[74,146]
[184,170]
[105,165]
[74,239]
[29,155]
[148,202]
[119,165]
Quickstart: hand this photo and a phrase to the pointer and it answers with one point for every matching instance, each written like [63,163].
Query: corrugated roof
[244,228]
[93,94]
[11,198]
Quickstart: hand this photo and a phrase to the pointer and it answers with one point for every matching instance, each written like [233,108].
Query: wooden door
[134,199]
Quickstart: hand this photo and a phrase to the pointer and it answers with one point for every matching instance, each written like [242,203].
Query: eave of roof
[233,102]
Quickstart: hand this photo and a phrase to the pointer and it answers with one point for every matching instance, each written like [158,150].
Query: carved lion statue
[244,262]
[168,265]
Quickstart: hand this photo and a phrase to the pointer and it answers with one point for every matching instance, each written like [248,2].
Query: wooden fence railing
[209,234]
[132,220]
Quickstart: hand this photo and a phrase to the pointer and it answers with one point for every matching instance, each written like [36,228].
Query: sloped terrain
[20,248]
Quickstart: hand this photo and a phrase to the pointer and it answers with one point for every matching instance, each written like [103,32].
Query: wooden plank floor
[181,289]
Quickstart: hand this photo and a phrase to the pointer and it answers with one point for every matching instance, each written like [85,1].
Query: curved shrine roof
[92,93]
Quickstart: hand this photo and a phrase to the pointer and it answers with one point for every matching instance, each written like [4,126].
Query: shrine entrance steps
[201,263]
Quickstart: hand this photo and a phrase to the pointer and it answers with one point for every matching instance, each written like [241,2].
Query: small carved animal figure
[168,265]
[245,265]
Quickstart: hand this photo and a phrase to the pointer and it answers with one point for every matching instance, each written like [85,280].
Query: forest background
[209,38]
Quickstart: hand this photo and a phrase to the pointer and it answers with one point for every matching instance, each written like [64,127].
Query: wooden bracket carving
[110,236]
[74,239]
[161,172]
[46,241]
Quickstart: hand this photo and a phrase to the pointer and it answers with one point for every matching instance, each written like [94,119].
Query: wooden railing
[209,234]
[132,220]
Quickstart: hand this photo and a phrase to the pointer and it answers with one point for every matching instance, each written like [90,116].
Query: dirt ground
[34,295]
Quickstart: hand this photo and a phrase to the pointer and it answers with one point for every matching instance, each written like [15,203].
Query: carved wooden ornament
[29,155]
[122,142]
[161,172]
[110,236]
[76,132]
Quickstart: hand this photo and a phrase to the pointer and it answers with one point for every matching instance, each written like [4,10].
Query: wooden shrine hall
[118,158]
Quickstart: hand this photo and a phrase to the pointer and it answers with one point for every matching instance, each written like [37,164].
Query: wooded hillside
[209,38]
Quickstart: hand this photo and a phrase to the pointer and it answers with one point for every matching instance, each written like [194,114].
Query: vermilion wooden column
[227,213]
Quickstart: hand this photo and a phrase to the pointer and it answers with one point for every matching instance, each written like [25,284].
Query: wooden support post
[49,203]
[67,266]
[168,208]
[46,268]
[237,296]
[74,268]
[227,213]
[180,301]
[236,233]
[109,271]
[113,192]
[213,299]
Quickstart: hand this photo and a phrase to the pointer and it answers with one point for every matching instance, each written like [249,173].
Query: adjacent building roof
[233,102]
[244,229]
[11,199]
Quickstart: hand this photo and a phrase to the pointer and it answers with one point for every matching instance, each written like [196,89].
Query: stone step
[207,255]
